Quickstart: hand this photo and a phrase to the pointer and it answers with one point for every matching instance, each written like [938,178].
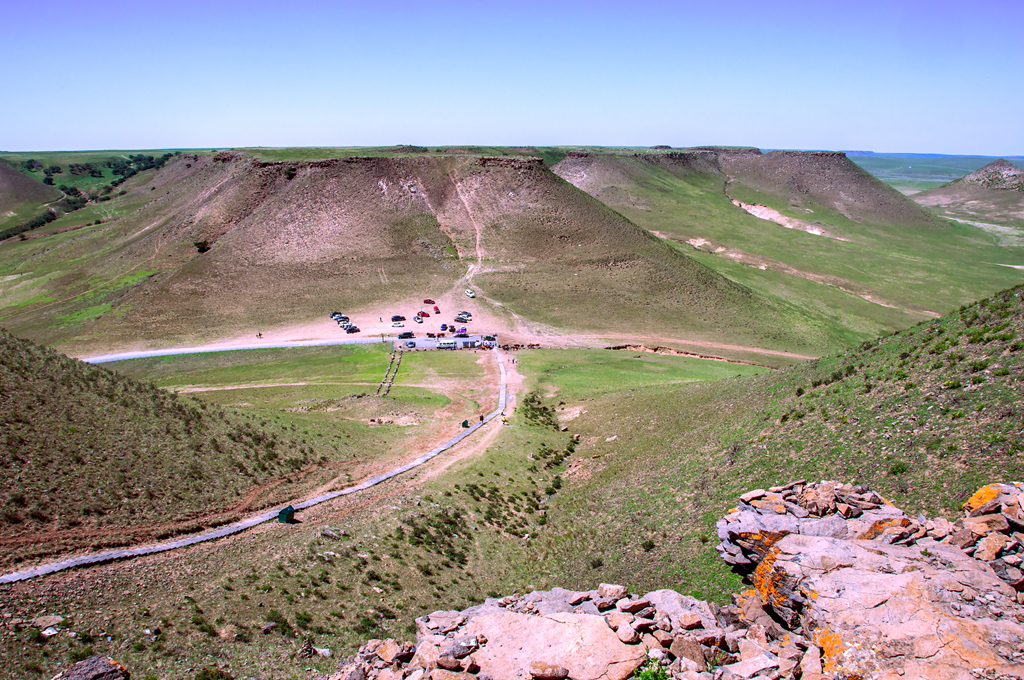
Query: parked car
[428,301]
[397,317]
[461,330]
[461,319]
[436,310]
[410,343]
[463,312]
[335,315]
[417,319]
[423,314]
[444,326]
[431,335]
[353,329]
[470,293]
[398,324]
[461,335]
[406,335]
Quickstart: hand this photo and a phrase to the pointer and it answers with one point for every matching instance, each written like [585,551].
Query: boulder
[878,609]
[613,592]
[95,668]
[582,644]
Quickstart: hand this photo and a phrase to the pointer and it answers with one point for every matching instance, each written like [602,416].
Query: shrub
[214,674]
[898,468]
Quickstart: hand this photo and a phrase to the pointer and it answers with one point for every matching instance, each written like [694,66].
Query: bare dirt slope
[286,243]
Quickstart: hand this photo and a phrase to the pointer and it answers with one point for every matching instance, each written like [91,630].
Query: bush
[214,674]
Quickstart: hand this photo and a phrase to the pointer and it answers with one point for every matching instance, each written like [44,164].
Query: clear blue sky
[935,76]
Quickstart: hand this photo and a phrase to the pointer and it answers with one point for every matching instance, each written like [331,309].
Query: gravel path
[227,530]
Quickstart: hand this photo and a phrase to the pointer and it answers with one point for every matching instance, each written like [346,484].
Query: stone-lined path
[229,529]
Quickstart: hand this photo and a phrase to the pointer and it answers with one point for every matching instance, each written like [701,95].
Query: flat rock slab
[583,644]
[882,611]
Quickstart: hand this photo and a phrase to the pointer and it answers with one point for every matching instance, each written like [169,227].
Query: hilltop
[999,174]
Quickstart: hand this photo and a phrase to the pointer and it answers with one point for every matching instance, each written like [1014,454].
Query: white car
[470,293]
[398,324]
[417,319]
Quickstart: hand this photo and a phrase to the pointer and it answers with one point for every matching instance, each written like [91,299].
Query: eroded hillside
[227,245]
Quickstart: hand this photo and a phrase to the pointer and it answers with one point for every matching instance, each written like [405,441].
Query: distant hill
[16,187]
[93,458]
[999,174]
[991,197]
[285,243]
[21,197]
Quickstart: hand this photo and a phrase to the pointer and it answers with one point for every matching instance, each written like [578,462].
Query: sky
[895,76]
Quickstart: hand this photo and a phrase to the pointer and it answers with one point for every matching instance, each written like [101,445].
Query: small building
[287,515]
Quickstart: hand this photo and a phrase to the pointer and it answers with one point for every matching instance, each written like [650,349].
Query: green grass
[574,375]
[666,445]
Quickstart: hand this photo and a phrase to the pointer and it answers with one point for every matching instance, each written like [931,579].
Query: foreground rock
[95,668]
[845,585]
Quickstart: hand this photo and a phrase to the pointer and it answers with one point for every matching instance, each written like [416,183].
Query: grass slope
[667,443]
[895,266]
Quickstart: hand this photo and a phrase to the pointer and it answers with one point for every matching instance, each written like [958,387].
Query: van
[446,344]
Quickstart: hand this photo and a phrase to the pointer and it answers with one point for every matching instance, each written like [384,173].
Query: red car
[436,310]
[424,314]
[428,301]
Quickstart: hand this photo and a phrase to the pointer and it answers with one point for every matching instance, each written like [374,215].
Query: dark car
[437,310]
[397,317]
[444,326]
[462,335]
[428,301]
[406,335]
[353,329]
[461,319]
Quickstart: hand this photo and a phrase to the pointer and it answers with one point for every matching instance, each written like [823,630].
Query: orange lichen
[832,648]
[767,579]
[876,529]
[982,496]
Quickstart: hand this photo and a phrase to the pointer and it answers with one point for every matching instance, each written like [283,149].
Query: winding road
[229,529]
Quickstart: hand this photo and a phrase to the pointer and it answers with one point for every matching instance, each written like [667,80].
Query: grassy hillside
[96,458]
[881,264]
[21,197]
[925,416]
[666,445]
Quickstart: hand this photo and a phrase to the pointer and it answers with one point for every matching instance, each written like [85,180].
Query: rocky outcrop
[845,585]
[95,668]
